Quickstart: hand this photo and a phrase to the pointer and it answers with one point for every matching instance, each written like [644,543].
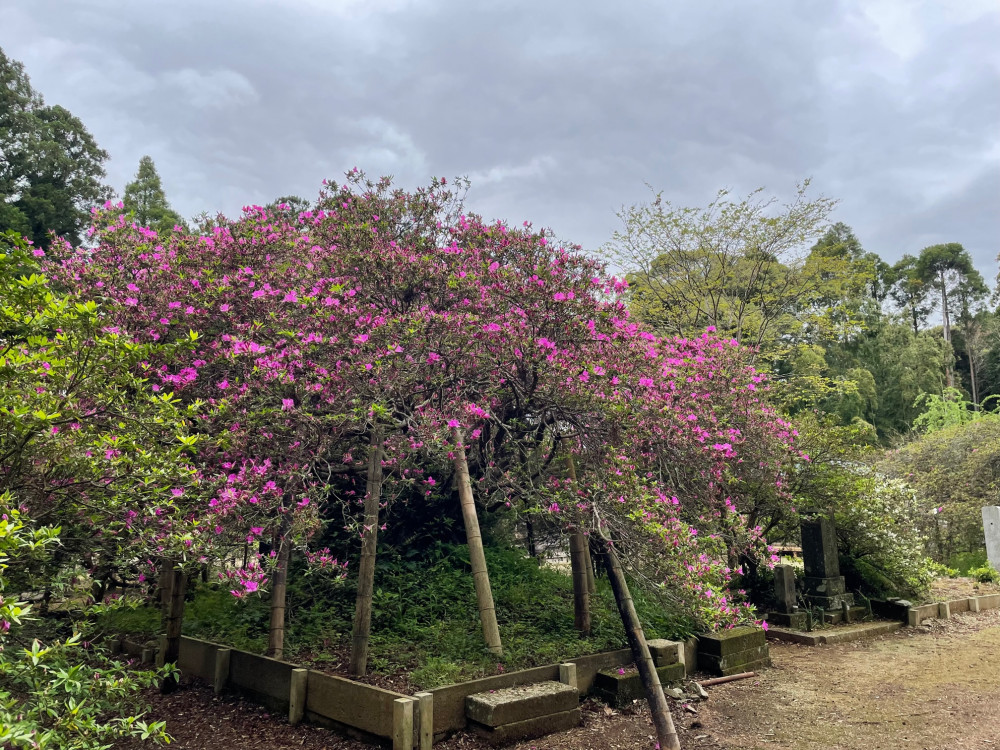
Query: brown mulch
[198,720]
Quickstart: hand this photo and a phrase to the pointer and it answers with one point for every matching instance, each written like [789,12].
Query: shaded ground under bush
[425,627]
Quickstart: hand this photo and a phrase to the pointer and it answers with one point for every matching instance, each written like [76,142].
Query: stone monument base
[796,620]
[828,593]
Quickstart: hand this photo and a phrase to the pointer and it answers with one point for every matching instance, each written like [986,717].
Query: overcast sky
[559,112]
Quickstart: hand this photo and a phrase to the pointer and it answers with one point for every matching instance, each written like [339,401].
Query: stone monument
[786,613]
[991,529]
[824,586]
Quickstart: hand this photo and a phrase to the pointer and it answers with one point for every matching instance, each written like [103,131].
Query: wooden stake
[579,559]
[480,575]
[730,678]
[581,591]
[279,589]
[666,734]
[589,561]
[176,580]
[362,629]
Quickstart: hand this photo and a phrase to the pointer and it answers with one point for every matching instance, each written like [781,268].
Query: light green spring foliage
[63,694]
[947,410]
[881,522]
[738,265]
[79,449]
[82,441]
[955,470]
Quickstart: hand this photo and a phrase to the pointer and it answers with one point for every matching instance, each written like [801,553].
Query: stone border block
[619,690]
[531,728]
[520,703]
[734,663]
[730,641]
[666,652]
[297,695]
[567,675]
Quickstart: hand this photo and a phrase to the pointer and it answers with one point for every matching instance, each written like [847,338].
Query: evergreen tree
[145,200]
[51,169]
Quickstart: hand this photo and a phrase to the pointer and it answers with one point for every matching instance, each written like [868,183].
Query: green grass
[425,620]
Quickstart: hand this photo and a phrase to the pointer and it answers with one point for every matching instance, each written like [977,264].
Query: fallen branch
[731,678]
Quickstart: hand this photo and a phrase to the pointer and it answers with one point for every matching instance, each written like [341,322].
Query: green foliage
[424,618]
[946,410]
[963,562]
[879,520]
[55,691]
[52,169]
[911,293]
[954,471]
[145,200]
[902,366]
[79,449]
[985,574]
[737,265]
[71,417]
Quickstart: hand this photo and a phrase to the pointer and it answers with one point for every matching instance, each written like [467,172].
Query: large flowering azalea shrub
[391,311]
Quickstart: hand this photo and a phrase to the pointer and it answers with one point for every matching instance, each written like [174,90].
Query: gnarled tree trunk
[480,575]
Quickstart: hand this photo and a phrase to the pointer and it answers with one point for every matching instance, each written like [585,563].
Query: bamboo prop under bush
[361,631]
[589,563]
[666,734]
[175,582]
[579,559]
[480,574]
[279,591]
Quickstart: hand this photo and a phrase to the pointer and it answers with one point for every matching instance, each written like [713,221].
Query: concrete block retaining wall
[917,615]
[263,680]
[197,658]
[449,701]
[363,711]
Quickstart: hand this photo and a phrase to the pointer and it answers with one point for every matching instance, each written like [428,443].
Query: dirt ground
[944,589]
[929,687]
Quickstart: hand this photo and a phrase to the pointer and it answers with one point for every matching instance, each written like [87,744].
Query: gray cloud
[560,112]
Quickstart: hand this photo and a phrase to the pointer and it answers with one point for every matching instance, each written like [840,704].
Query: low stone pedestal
[827,593]
[730,652]
[523,712]
[618,688]
[787,619]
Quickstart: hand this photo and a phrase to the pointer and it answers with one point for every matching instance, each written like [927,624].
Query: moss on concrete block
[666,652]
[734,663]
[619,690]
[731,641]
